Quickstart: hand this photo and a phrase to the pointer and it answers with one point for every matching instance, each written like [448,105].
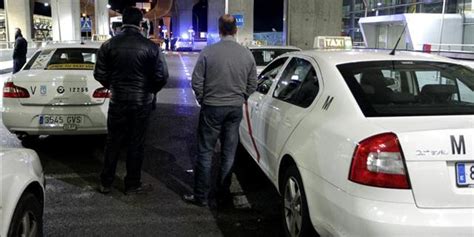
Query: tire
[28,140]
[294,206]
[28,217]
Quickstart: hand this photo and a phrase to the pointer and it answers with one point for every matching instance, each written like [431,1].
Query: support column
[184,20]
[306,19]
[101,13]
[66,16]
[215,9]
[244,8]
[18,15]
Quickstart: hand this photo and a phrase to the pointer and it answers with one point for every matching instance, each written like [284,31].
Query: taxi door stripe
[247,116]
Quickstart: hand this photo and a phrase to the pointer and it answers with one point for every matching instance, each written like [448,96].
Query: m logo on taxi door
[458,147]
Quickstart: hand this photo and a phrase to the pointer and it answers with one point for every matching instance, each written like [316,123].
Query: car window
[30,62]
[266,78]
[410,88]
[298,84]
[265,56]
[73,59]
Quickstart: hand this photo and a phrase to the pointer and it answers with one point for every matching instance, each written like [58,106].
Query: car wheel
[28,217]
[28,140]
[295,209]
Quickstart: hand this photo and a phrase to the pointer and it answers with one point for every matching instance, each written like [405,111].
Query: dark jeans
[126,125]
[18,64]
[216,122]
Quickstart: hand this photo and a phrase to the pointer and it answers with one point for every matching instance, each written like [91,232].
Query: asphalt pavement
[72,165]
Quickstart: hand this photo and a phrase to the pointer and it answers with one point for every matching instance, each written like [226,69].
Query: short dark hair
[132,16]
[227,25]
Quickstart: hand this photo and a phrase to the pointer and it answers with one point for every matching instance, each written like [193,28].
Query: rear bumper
[18,118]
[336,212]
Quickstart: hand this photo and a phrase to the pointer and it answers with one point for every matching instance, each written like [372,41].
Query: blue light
[184,36]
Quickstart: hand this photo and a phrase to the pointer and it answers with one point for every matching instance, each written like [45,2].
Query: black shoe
[104,190]
[142,189]
[189,198]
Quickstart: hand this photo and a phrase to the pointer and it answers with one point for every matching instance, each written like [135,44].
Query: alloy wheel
[293,207]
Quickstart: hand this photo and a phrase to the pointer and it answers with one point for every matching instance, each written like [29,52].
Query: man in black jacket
[134,70]
[19,53]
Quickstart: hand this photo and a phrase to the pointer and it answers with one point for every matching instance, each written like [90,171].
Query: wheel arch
[286,162]
[35,189]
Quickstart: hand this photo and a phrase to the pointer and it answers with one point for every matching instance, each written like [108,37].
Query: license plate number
[465,174]
[68,122]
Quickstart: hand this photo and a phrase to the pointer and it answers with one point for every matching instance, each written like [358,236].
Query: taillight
[12,91]
[378,161]
[101,93]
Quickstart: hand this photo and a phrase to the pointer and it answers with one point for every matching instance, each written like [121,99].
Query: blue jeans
[216,122]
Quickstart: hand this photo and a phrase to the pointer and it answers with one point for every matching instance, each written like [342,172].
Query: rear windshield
[410,88]
[73,59]
[265,56]
[64,59]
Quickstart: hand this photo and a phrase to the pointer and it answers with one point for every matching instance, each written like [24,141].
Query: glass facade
[353,10]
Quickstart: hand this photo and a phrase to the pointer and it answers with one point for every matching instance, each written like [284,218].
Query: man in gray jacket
[224,77]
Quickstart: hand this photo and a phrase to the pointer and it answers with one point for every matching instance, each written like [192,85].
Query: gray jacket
[225,74]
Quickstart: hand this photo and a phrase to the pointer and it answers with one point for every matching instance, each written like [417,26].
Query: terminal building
[447,25]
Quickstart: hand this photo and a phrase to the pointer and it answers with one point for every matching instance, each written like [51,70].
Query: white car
[265,54]
[56,94]
[363,143]
[22,193]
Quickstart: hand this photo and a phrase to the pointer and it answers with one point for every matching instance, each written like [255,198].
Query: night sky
[268,16]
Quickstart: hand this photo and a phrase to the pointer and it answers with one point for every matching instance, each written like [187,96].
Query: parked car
[56,93]
[22,193]
[183,45]
[265,54]
[364,143]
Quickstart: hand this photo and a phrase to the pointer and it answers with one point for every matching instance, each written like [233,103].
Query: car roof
[337,57]
[89,44]
[273,47]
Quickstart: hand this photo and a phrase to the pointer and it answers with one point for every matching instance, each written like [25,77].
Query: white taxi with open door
[364,143]
[56,93]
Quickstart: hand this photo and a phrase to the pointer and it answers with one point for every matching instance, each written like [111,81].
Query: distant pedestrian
[19,52]
[134,69]
[224,77]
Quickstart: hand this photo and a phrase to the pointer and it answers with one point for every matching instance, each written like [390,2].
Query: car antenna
[398,41]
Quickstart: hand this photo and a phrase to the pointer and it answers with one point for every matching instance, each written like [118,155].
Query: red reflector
[378,161]
[101,93]
[10,90]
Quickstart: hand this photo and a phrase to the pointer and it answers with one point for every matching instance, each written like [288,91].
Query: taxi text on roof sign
[332,42]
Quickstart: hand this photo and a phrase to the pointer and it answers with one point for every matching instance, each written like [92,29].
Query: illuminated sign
[333,42]
[239,20]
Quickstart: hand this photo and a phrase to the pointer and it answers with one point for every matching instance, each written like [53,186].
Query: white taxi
[263,55]
[21,193]
[364,143]
[56,94]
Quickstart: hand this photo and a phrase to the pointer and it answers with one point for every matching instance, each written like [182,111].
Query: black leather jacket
[132,67]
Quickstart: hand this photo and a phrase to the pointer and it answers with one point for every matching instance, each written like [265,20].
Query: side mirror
[263,88]
[390,81]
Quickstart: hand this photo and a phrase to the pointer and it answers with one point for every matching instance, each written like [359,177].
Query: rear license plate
[68,122]
[465,174]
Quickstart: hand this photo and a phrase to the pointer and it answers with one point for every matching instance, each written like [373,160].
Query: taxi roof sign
[332,42]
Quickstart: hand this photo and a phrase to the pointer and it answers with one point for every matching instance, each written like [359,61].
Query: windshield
[265,56]
[410,88]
